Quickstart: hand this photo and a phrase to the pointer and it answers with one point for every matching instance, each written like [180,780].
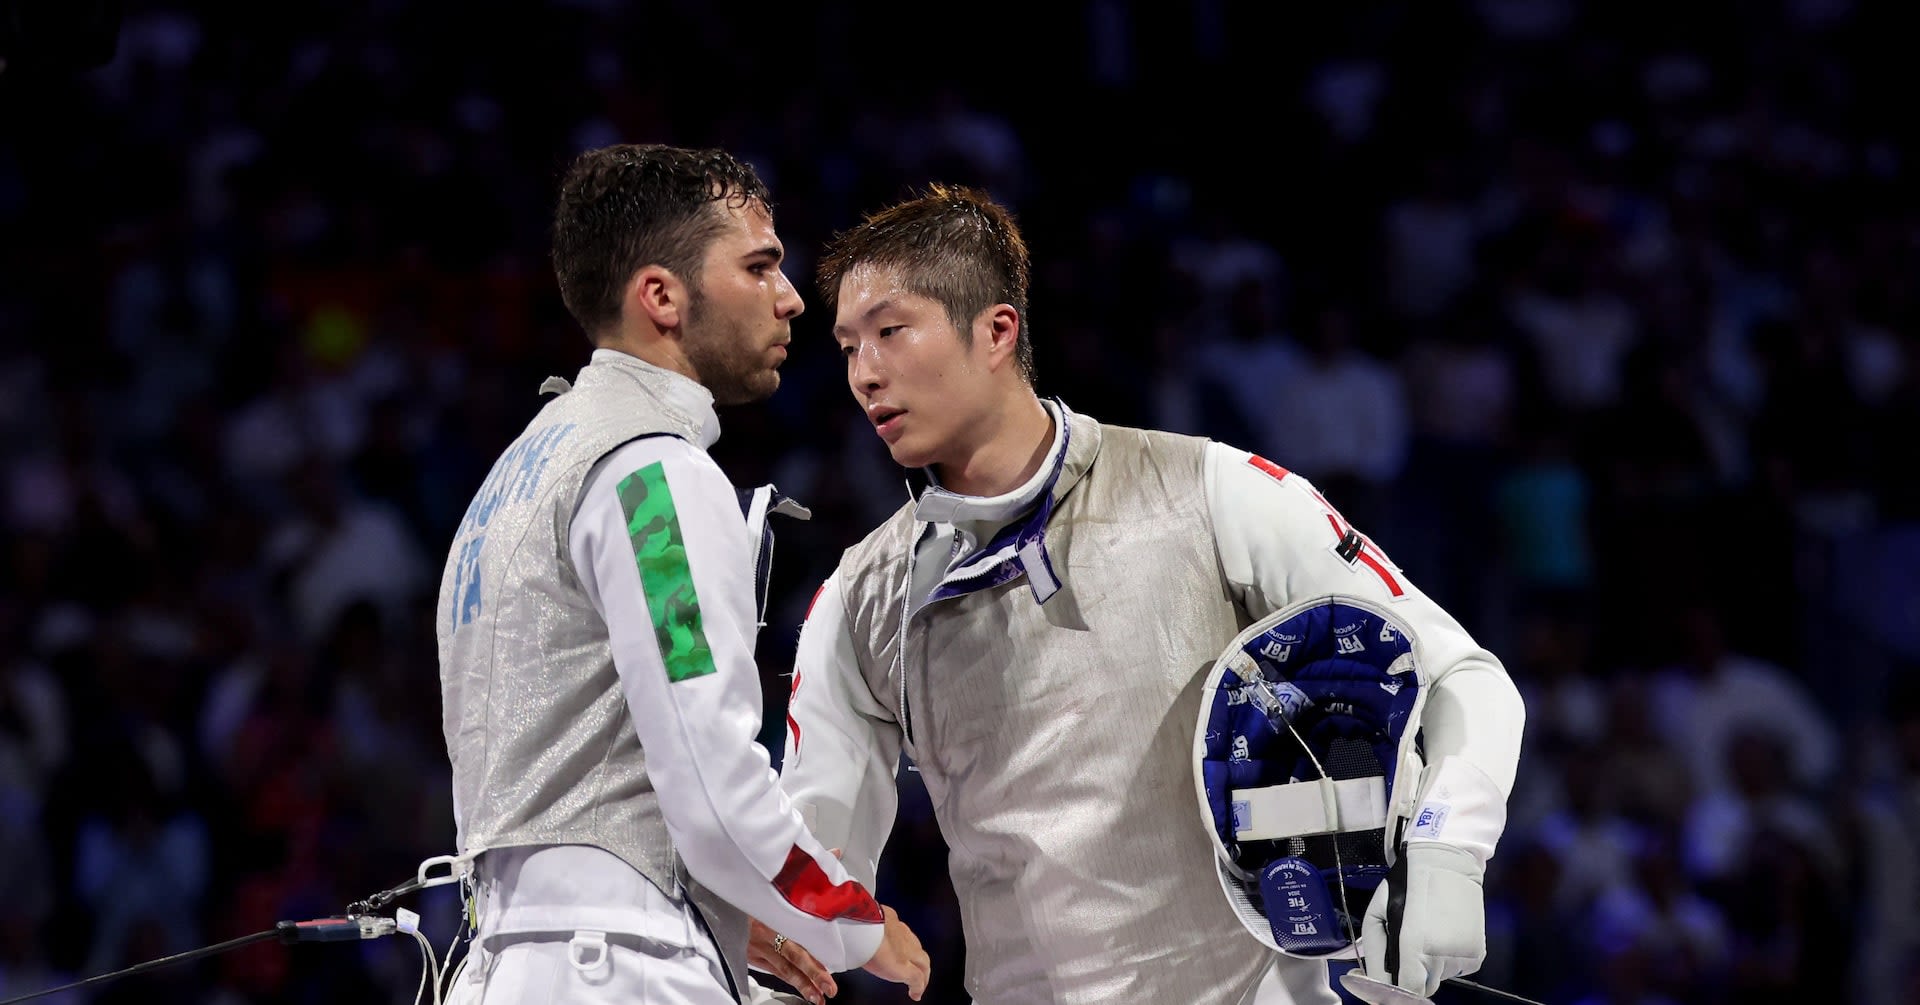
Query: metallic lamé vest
[1056,740]
[542,742]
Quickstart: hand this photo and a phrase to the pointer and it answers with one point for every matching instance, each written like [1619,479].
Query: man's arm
[843,747]
[1281,542]
[662,550]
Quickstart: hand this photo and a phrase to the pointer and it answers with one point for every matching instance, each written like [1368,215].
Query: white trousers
[589,968]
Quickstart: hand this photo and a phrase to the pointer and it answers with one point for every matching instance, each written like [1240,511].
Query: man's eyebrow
[866,315]
[772,251]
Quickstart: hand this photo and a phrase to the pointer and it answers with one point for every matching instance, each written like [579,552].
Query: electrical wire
[353,926]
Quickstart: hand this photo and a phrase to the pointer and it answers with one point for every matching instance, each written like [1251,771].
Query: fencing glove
[1424,926]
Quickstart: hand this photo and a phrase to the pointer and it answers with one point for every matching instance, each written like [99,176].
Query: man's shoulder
[1159,436]
[1105,430]
[1143,445]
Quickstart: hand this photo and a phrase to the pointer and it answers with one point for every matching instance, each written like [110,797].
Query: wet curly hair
[627,206]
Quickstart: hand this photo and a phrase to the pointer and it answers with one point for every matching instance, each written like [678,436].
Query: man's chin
[756,387]
[906,456]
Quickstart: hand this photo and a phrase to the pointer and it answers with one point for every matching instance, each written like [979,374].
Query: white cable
[439,976]
[446,966]
[453,976]
[1339,870]
[426,968]
[465,927]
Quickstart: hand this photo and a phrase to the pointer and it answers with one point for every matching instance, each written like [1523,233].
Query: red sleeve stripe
[805,885]
[1393,585]
[1365,554]
[1278,473]
[815,600]
[1274,471]
[793,726]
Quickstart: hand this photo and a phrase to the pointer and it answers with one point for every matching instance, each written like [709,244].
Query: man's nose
[788,303]
[866,373]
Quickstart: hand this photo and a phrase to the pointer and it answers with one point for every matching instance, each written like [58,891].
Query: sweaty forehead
[758,219]
[747,227]
[867,286]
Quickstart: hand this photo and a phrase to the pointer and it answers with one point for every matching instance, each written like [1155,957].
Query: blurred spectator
[142,868]
[339,548]
[1543,500]
[33,726]
[968,145]
[1218,256]
[1567,702]
[1624,371]
[1888,878]
[1732,829]
[1655,783]
[1681,938]
[1578,325]
[73,484]
[1592,844]
[1460,376]
[1339,418]
[1238,375]
[1712,693]
[1528,949]
[1460,385]
[1430,239]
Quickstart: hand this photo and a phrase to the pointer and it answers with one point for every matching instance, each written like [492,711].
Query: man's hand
[788,960]
[1442,928]
[900,958]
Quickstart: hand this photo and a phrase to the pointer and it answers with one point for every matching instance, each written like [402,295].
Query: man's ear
[999,328]
[656,294]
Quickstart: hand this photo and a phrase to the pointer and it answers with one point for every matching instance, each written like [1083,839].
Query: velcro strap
[1302,809]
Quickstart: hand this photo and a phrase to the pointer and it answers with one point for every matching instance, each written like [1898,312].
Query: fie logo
[1428,822]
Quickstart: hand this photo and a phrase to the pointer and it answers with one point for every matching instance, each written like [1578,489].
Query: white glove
[1443,926]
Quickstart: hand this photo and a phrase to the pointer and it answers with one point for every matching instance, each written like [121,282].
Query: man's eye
[846,351]
[890,329]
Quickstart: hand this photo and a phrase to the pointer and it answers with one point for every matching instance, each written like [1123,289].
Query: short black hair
[952,244]
[630,205]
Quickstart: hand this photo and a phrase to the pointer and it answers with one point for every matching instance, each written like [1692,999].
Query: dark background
[1600,318]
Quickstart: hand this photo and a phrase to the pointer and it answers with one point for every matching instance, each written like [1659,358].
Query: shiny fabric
[1056,739]
[541,740]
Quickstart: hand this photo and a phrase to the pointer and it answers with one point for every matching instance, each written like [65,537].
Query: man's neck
[656,350]
[1013,450]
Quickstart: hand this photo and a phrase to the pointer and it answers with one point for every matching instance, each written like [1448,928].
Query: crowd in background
[1599,318]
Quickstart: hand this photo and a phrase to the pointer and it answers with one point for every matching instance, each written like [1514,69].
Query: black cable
[191,954]
[378,900]
[344,928]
